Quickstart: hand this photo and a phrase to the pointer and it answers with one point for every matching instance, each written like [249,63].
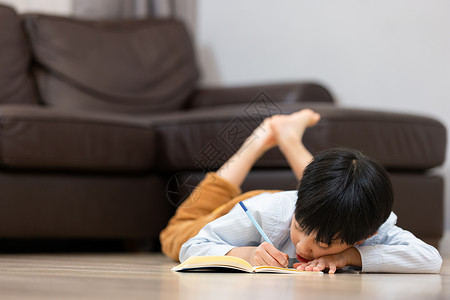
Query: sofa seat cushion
[205,139]
[33,137]
[135,66]
[16,85]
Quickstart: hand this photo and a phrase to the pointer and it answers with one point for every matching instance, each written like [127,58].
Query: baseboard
[444,245]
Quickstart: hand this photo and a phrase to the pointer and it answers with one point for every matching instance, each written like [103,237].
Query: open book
[227,263]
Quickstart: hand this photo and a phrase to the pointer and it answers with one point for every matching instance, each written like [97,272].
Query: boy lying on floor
[340,216]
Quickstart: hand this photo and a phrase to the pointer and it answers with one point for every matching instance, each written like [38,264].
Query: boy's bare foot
[288,132]
[287,128]
[281,130]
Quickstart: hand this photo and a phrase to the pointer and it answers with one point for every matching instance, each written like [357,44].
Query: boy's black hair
[343,195]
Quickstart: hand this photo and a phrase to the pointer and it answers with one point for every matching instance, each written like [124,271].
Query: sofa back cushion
[136,66]
[16,85]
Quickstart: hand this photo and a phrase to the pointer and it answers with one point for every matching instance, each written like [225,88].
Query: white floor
[148,276]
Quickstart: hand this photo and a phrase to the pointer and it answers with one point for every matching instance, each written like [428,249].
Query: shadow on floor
[8,246]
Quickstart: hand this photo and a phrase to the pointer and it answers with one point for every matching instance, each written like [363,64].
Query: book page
[270,269]
[198,262]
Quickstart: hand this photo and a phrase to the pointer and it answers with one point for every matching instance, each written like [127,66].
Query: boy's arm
[220,236]
[399,251]
[234,234]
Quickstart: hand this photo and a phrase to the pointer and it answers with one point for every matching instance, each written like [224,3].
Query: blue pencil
[261,231]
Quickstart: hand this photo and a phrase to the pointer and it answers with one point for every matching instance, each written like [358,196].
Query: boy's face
[308,248]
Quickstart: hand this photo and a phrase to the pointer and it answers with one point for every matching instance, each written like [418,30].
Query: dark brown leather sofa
[103,131]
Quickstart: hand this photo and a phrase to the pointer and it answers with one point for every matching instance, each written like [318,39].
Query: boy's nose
[303,247]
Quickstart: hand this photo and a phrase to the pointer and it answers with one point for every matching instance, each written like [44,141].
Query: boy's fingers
[310,265]
[263,257]
[282,259]
[320,266]
[270,261]
[332,269]
[261,262]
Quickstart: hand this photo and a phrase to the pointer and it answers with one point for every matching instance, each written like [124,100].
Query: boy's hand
[267,255]
[348,257]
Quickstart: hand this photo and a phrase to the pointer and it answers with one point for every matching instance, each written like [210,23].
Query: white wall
[58,7]
[385,54]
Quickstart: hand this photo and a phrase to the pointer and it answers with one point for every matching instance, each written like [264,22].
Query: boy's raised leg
[212,197]
[288,132]
[236,169]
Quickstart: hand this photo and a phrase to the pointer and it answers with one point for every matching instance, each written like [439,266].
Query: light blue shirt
[392,249]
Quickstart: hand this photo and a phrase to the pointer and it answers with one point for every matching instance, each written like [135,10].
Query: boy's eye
[323,247]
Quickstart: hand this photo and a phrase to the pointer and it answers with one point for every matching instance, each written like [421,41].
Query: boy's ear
[362,241]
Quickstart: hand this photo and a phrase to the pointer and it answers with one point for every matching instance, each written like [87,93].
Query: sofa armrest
[282,92]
